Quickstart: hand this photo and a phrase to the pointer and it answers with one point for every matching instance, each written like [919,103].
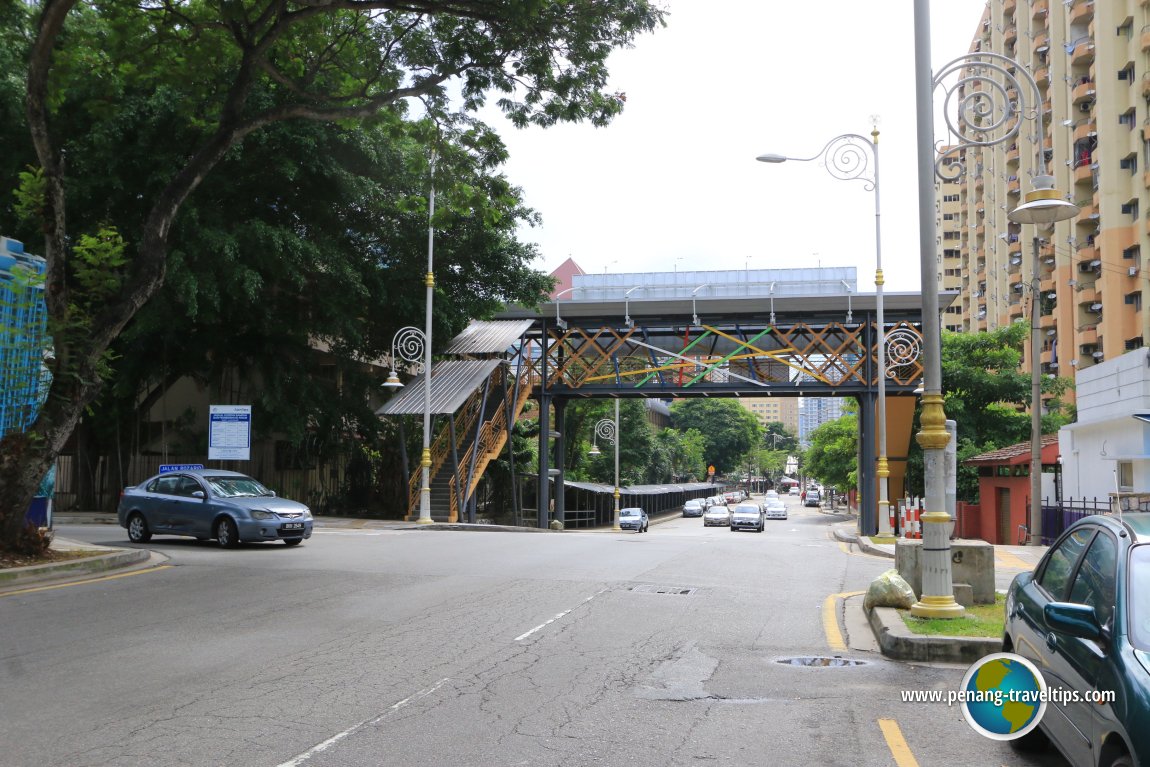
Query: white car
[775,509]
[794,490]
[717,515]
[747,516]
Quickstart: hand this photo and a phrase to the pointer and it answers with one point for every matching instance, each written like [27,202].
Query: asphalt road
[363,648]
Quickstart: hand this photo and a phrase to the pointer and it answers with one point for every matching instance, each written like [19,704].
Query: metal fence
[1058,516]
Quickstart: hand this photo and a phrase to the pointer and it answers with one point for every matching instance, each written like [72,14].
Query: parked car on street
[693,508]
[812,498]
[635,519]
[775,509]
[1082,617]
[795,490]
[747,516]
[231,507]
[717,515]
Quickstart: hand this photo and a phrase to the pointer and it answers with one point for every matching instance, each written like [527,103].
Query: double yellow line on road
[68,584]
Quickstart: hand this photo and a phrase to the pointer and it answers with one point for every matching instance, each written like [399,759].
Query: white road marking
[321,747]
[557,617]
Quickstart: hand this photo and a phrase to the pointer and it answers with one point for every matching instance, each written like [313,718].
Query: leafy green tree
[987,393]
[729,430]
[228,72]
[833,453]
[776,436]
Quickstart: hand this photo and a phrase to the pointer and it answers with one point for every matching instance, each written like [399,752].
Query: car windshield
[629,513]
[236,487]
[746,509]
[1136,599]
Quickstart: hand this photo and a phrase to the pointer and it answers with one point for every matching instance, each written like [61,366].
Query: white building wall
[1110,394]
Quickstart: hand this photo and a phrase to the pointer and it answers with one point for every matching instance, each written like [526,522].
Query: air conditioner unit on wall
[1132,271]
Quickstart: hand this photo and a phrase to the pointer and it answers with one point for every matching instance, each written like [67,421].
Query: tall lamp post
[609,430]
[846,160]
[412,343]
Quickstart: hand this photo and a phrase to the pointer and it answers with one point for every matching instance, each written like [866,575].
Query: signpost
[230,432]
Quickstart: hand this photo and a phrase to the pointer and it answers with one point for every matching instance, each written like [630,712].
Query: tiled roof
[1009,454]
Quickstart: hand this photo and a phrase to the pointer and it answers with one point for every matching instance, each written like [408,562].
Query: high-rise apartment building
[814,412]
[784,410]
[1091,63]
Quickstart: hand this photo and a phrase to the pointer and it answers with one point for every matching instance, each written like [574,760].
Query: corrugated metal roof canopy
[595,487]
[452,382]
[491,337]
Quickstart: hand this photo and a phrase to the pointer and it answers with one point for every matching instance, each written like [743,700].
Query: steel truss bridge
[666,346]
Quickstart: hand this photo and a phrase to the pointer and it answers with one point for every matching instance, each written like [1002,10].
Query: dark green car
[1083,618]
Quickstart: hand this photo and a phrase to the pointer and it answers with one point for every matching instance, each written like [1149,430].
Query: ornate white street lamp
[609,430]
[411,341]
[849,157]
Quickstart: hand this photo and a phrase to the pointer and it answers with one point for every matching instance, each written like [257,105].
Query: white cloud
[675,175]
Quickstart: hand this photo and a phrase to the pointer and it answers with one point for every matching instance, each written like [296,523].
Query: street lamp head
[775,158]
[594,450]
[1043,205]
[392,381]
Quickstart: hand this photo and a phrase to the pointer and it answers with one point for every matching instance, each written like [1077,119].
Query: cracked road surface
[461,648]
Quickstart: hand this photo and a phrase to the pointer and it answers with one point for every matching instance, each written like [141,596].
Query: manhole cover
[648,588]
[819,661]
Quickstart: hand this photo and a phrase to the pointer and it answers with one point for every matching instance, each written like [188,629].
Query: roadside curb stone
[99,562]
[899,642]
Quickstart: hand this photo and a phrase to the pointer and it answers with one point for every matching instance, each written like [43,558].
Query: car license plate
[292,526]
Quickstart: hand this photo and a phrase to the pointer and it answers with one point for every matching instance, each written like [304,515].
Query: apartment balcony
[1013,185]
[1012,154]
[1088,296]
[1146,38]
[1084,173]
[1047,357]
[1082,93]
[1047,322]
[1015,311]
[1087,210]
[1082,54]
[1046,285]
[1041,43]
[1042,76]
[1039,9]
[1089,127]
[1010,36]
[1088,335]
[1082,11]
[1008,7]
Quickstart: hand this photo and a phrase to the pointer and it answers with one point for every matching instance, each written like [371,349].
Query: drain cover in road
[820,661]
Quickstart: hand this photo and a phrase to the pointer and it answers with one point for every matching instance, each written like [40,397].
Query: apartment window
[1133,254]
[1131,208]
[1133,343]
[950,235]
[1134,299]
[1127,72]
[1130,163]
[1126,29]
[950,198]
[1126,475]
[948,217]
[1127,118]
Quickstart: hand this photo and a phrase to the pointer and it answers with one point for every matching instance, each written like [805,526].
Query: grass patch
[979,621]
[50,555]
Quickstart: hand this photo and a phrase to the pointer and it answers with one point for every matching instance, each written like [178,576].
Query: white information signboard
[230,433]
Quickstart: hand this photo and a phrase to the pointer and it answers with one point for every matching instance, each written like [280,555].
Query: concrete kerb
[899,642]
[103,560]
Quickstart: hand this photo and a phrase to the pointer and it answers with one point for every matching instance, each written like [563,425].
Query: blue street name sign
[169,467]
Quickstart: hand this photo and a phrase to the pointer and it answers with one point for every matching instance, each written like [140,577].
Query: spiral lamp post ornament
[851,157]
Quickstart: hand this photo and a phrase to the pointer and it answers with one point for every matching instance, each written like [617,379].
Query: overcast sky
[673,183]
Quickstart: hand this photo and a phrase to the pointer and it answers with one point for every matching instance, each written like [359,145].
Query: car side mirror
[1073,619]
[199,494]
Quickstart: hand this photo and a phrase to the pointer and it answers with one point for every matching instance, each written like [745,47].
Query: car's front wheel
[292,541]
[227,534]
[138,531]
